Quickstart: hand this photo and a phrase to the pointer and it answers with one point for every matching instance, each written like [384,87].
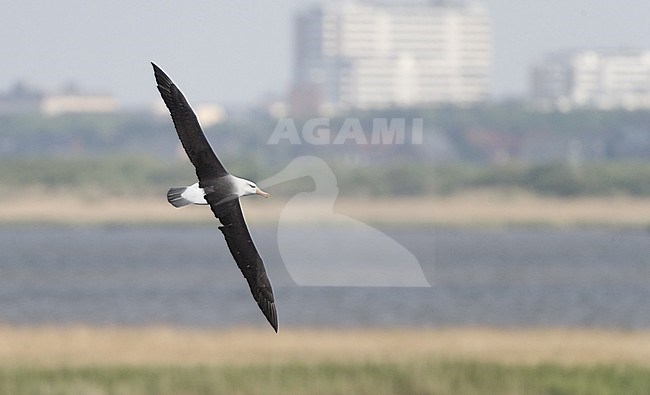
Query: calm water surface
[184,275]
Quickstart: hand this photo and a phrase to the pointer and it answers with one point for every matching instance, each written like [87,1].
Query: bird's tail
[175,198]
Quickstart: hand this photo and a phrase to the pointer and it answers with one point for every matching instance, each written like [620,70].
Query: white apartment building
[23,98]
[372,54]
[601,79]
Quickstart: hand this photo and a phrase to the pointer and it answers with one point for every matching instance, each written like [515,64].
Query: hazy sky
[237,51]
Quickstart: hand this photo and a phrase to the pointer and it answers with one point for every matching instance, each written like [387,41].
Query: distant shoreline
[480,209]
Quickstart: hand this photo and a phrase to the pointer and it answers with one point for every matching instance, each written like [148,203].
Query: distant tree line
[497,146]
[115,176]
[485,134]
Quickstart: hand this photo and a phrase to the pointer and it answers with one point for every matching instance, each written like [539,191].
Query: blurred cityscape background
[586,107]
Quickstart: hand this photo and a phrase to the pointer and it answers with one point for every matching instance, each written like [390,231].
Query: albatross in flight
[221,190]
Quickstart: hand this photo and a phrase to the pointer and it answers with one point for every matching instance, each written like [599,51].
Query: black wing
[189,130]
[243,250]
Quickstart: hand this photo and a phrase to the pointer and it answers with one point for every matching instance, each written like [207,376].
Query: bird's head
[246,187]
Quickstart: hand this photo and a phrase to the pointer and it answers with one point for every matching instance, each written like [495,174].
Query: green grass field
[408,377]
[458,361]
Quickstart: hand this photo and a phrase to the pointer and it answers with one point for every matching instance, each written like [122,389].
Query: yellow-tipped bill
[261,192]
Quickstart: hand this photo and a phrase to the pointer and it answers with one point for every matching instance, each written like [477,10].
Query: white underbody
[194,194]
[183,196]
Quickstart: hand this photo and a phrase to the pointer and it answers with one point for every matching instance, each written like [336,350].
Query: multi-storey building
[372,54]
[23,98]
[602,79]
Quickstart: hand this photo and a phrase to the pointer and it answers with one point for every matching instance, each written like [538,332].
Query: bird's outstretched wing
[243,250]
[189,130]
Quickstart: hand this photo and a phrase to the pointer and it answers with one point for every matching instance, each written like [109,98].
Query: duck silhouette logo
[362,256]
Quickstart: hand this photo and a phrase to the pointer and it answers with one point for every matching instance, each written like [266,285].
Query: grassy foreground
[161,360]
[413,377]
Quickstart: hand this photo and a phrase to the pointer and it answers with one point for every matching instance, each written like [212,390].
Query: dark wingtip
[268,309]
[156,69]
[162,79]
[274,324]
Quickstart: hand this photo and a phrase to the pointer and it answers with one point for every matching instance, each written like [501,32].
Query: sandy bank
[79,345]
[478,209]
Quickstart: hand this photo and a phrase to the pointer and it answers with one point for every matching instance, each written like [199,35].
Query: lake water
[184,275]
